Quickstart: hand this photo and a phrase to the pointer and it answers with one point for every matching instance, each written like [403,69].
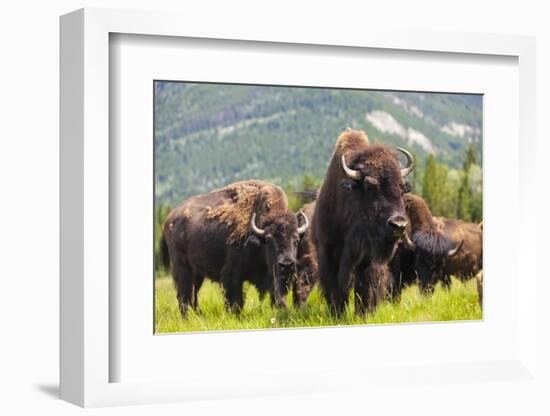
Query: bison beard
[359,217]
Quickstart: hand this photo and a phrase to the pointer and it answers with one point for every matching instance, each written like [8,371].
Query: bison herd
[364,232]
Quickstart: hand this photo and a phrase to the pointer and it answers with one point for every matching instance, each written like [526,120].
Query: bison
[424,250]
[359,217]
[469,260]
[243,231]
[306,265]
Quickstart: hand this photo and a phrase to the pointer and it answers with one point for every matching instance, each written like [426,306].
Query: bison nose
[398,223]
[286,265]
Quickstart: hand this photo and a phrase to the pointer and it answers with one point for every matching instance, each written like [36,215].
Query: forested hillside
[209,135]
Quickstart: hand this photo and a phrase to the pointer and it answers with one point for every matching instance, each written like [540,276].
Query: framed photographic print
[226,154]
[246,214]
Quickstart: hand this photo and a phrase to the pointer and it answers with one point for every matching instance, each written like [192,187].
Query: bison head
[375,176]
[279,235]
[432,249]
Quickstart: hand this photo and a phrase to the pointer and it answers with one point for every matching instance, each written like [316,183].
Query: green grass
[458,303]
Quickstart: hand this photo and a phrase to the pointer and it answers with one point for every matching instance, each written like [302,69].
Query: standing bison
[359,217]
[424,251]
[306,265]
[243,231]
[469,260]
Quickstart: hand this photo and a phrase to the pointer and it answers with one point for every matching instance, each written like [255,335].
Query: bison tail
[164,255]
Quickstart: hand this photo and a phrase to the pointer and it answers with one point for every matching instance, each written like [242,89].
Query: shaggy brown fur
[350,227]
[243,199]
[306,262]
[211,235]
[419,213]
[469,260]
[427,260]
[350,140]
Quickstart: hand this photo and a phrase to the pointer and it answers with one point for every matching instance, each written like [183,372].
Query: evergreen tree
[310,183]
[464,205]
[414,178]
[469,206]
[434,186]
[470,158]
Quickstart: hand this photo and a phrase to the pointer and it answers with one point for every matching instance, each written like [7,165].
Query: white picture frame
[85,212]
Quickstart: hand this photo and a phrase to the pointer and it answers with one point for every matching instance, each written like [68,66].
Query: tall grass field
[460,302]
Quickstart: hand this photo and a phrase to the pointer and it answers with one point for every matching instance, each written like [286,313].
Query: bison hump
[240,201]
[350,140]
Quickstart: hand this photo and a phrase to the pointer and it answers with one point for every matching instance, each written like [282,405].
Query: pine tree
[434,186]
[414,178]
[468,206]
[464,205]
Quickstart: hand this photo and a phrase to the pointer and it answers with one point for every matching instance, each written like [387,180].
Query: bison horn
[408,243]
[455,250]
[351,173]
[303,228]
[410,162]
[256,230]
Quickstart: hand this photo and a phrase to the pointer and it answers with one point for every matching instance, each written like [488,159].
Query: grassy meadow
[458,303]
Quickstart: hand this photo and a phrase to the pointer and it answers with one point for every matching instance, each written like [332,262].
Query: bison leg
[234,296]
[301,290]
[302,285]
[344,280]
[233,287]
[372,286]
[328,268]
[396,281]
[379,283]
[446,281]
[185,286]
[195,299]
[361,295]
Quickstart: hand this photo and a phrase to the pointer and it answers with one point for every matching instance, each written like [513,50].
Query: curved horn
[410,162]
[256,230]
[351,173]
[408,243]
[303,228]
[455,250]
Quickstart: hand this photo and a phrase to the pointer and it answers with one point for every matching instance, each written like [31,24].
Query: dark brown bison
[243,231]
[359,217]
[424,250]
[469,260]
[306,264]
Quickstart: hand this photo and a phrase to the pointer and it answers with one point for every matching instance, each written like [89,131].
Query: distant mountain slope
[208,135]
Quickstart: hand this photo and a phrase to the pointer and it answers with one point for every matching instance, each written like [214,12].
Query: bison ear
[348,185]
[408,187]
[252,240]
